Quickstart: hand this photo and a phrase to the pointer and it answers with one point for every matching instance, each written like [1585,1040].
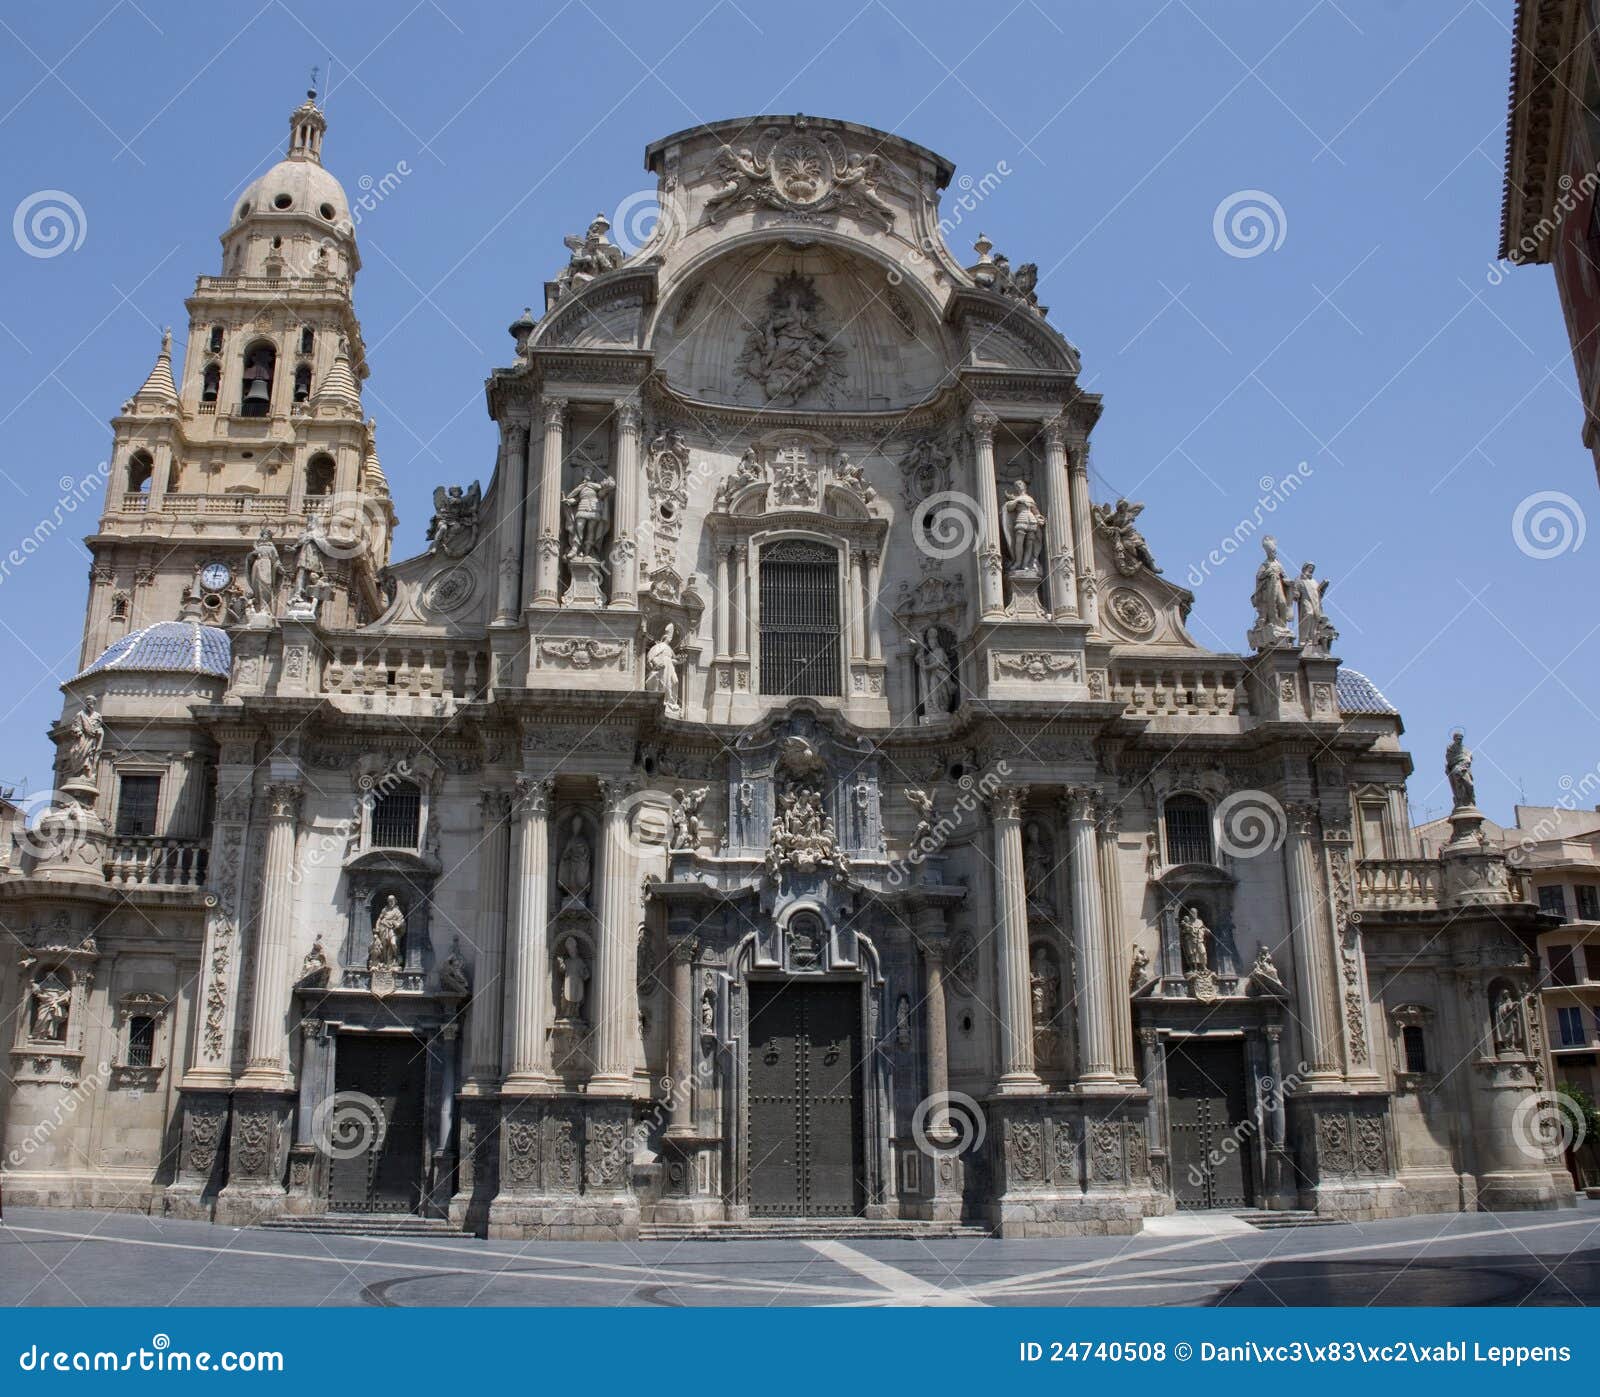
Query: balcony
[424,669]
[1398,884]
[141,861]
[226,506]
[1176,688]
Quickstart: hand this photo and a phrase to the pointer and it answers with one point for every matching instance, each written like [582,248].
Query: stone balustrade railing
[225,505]
[136,861]
[1154,689]
[1384,884]
[426,669]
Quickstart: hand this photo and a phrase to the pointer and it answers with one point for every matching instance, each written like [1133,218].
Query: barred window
[137,799]
[397,817]
[800,619]
[1188,830]
[1416,1048]
[141,1040]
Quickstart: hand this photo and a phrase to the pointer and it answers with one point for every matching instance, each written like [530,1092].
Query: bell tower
[262,428]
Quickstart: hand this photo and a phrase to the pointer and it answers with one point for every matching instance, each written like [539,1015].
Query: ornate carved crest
[798,171]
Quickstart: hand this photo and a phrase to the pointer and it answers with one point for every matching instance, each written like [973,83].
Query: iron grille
[800,619]
[397,817]
[1188,830]
[141,1040]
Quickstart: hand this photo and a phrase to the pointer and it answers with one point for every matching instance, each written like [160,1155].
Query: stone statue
[575,872]
[1507,1022]
[588,515]
[1036,870]
[1270,599]
[573,977]
[1139,971]
[86,735]
[803,836]
[265,570]
[1192,934]
[686,816]
[453,972]
[937,666]
[388,930]
[315,968]
[927,815]
[1315,628]
[454,526]
[1129,550]
[749,471]
[1458,769]
[661,670]
[309,572]
[708,1012]
[1023,526]
[854,479]
[1044,987]
[1265,970]
[592,254]
[789,352]
[50,1003]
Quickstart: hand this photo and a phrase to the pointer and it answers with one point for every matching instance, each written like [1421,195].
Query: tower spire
[306,126]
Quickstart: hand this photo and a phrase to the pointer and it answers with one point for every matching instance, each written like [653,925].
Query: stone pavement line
[903,1288]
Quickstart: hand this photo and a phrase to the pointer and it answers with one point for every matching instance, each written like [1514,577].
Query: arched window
[397,816]
[302,382]
[800,619]
[141,466]
[210,383]
[255,387]
[308,339]
[216,339]
[319,475]
[1188,830]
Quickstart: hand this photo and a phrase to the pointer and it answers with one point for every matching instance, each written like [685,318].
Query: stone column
[616,1015]
[1314,976]
[544,545]
[857,592]
[685,1020]
[741,601]
[1018,1076]
[724,604]
[990,592]
[624,540]
[484,1027]
[268,1065]
[1083,531]
[1116,964]
[874,641]
[527,1054]
[1062,578]
[506,547]
[928,924]
[1094,1012]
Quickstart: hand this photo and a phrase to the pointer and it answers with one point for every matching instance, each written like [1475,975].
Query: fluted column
[990,592]
[1063,581]
[1314,974]
[268,1064]
[1088,927]
[685,1016]
[724,604]
[484,1018]
[507,545]
[857,592]
[929,926]
[1116,946]
[1083,531]
[545,524]
[741,601]
[528,983]
[625,542]
[616,1018]
[874,641]
[1017,1074]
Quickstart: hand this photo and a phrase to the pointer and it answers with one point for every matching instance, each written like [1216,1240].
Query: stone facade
[782,790]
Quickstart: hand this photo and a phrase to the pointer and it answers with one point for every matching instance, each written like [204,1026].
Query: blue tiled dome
[172,646]
[1358,694]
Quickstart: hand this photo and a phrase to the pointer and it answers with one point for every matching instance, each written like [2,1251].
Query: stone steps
[365,1225]
[1268,1222]
[810,1229]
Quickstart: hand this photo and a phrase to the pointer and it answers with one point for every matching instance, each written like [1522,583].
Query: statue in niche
[789,353]
[575,871]
[1192,935]
[1270,598]
[309,570]
[453,977]
[708,1013]
[902,1021]
[1037,870]
[805,941]
[1139,971]
[661,670]
[572,979]
[686,816]
[51,1001]
[1128,547]
[1044,988]
[937,668]
[316,968]
[454,526]
[1458,771]
[1023,526]
[265,570]
[86,735]
[1508,1037]
[1316,630]
[587,514]
[388,933]
[1265,970]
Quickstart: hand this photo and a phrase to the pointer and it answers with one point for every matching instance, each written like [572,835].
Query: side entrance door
[804,1116]
[1213,1140]
[375,1125]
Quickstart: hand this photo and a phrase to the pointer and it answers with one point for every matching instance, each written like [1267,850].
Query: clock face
[215,576]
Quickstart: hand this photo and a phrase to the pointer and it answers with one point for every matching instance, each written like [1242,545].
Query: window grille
[397,817]
[800,619]
[1188,830]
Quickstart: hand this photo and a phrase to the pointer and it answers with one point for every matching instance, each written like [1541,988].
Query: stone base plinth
[1519,1190]
[524,1218]
[1361,1200]
[1069,1215]
[245,1205]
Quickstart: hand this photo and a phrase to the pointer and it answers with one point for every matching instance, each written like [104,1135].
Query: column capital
[683,950]
[494,802]
[617,792]
[1054,430]
[626,411]
[530,798]
[1302,816]
[1109,816]
[1005,802]
[283,800]
[554,411]
[1079,804]
[515,423]
[982,423]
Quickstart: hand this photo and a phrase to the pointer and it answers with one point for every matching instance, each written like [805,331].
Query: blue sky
[1373,340]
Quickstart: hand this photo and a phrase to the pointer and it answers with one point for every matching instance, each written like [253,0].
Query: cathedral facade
[781,791]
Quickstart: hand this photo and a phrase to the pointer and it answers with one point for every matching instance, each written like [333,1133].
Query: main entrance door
[1213,1141]
[375,1130]
[804,1118]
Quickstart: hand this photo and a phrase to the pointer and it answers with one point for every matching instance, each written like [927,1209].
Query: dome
[1358,694]
[182,647]
[309,190]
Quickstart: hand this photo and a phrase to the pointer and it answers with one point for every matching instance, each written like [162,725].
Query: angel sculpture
[1128,547]
[859,177]
[454,526]
[743,175]
[686,816]
[592,255]
[927,814]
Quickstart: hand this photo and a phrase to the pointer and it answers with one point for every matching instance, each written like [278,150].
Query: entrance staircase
[810,1230]
[1269,1221]
[365,1225]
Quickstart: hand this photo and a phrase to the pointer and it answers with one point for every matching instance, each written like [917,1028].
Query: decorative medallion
[1131,611]
[449,590]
